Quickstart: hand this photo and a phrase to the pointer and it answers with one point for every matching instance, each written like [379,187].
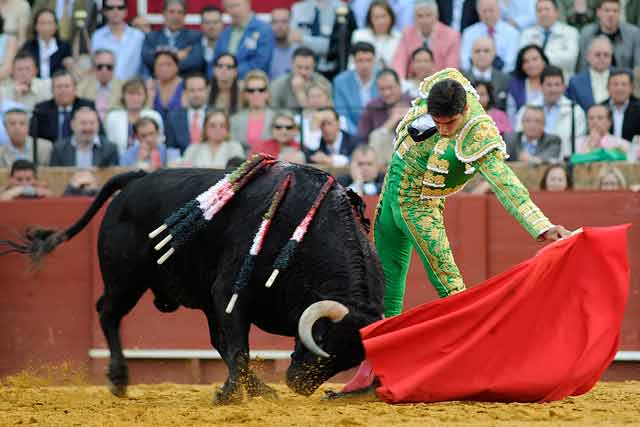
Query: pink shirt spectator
[501,119]
[254,130]
[444,43]
[608,142]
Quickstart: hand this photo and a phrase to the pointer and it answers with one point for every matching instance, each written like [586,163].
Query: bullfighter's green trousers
[403,224]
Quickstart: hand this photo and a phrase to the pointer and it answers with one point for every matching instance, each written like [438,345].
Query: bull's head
[332,346]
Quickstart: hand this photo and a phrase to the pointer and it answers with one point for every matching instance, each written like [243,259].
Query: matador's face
[448,126]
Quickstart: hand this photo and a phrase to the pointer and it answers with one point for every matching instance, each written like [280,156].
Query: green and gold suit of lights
[421,175]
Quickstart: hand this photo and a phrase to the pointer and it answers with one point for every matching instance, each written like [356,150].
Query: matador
[441,143]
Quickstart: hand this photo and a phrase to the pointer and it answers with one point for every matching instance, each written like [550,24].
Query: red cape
[546,329]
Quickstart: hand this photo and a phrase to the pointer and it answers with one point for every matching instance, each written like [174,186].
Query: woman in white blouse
[51,53]
[118,124]
[379,32]
[215,150]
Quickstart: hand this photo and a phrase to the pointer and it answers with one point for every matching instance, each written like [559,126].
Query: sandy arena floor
[25,399]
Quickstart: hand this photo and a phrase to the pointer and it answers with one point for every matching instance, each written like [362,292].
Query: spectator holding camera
[23,183]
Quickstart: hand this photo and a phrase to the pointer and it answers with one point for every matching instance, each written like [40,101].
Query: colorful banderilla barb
[288,251]
[258,242]
[184,223]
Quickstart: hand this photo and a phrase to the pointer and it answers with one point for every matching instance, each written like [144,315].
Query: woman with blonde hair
[252,123]
[611,179]
[216,149]
[118,124]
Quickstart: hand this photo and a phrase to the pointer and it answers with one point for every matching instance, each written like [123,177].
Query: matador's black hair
[446,98]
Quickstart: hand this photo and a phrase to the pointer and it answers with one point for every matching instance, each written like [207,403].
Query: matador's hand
[556,232]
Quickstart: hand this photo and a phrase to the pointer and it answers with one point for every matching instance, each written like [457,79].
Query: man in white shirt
[589,86]
[558,40]
[504,36]
[124,41]
[562,117]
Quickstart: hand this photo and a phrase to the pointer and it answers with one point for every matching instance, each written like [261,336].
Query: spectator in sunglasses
[253,122]
[283,144]
[121,39]
[99,84]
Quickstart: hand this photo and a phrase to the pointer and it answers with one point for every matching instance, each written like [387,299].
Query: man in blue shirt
[124,41]
[353,89]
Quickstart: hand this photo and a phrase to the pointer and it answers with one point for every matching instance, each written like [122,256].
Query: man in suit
[532,144]
[20,144]
[248,38]
[336,145]
[85,148]
[589,86]
[562,117]
[353,89]
[458,14]
[211,26]
[625,108]
[482,69]
[99,84]
[51,119]
[625,37]
[184,126]
[558,40]
[442,40]
[187,42]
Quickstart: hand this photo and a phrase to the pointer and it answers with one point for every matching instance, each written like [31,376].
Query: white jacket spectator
[559,41]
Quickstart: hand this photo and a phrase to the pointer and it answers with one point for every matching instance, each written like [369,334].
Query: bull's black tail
[39,242]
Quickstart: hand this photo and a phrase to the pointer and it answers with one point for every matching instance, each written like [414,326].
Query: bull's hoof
[263,391]
[365,393]
[118,390]
[222,397]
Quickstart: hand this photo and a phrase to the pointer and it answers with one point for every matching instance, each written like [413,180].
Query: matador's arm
[512,193]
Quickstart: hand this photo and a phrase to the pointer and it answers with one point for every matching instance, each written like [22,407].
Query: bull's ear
[359,207]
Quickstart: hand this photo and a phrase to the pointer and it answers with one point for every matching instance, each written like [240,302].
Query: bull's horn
[327,308]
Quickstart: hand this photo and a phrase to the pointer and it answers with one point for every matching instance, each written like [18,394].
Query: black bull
[335,271]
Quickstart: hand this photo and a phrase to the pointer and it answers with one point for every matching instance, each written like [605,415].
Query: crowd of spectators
[323,82]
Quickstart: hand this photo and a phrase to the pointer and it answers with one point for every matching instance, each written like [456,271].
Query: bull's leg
[112,308]
[233,355]
[230,336]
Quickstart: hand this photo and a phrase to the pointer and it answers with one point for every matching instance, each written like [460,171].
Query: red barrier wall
[48,316]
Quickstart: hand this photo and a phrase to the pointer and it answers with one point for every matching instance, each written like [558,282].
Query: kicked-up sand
[26,399]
